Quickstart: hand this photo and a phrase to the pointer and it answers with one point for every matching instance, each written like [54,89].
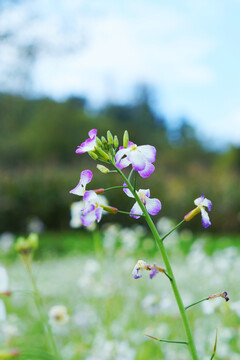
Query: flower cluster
[142,265]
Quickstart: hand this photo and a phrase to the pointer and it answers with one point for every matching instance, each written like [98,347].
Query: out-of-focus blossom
[201,203]
[93,208]
[27,245]
[85,178]
[3,313]
[89,144]
[4,290]
[142,265]
[35,225]
[153,206]
[9,353]
[58,315]
[6,241]
[141,158]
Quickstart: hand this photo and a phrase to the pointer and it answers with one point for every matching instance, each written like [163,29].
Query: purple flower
[201,203]
[92,209]
[154,271]
[138,268]
[141,158]
[153,206]
[85,178]
[89,144]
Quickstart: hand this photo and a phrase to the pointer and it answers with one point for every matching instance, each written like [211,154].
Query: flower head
[85,178]
[89,144]
[153,206]
[142,265]
[224,295]
[201,203]
[141,158]
[58,315]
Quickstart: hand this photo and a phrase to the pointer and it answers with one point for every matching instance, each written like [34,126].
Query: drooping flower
[153,206]
[201,203]
[224,295]
[141,158]
[58,315]
[85,178]
[89,144]
[142,265]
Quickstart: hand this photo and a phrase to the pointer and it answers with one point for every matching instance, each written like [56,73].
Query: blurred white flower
[35,225]
[58,315]
[3,313]
[6,241]
[3,280]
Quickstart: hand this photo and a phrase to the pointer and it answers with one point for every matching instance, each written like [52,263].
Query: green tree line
[38,164]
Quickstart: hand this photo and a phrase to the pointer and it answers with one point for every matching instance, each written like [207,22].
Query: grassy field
[109,311]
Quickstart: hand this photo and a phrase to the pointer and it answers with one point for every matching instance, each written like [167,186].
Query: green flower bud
[125,139]
[104,141]
[102,154]
[98,142]
[103,169]
[115,142]
[28,245]
[109,137]
[93,155]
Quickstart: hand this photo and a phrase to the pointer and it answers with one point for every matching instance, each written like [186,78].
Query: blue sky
[188,51]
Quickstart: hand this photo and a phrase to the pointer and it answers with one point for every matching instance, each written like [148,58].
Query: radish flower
[85,178]
[89,144]
[153,206]
[201,203]
[142,265]
[141,158]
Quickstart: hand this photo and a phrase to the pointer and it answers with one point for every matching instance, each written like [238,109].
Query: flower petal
[123,163]
[98,213]
[199,200]
[136,210]
[92,133]
[207,203]
[88,219]
[149,152]
[86,177]
[86,146]
[205,218]
[120,154]
[153,206]
[148,170]
[142,193]
[127,191]
[137,160]
[90,196]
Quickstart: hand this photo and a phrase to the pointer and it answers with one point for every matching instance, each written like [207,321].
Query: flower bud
[104,141]
[103,169]
[99,191]
[98,142]
[191,214]
[224,295]
[28,245]
[102,154]
[125,139]
[110,209]
[93,155]
[109,137]
[115,142]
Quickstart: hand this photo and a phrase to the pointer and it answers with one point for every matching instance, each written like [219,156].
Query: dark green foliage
[39,166]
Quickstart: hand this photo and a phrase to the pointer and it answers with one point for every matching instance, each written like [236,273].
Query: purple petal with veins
[153,206]
[147,171]
[149,152]
[92,133]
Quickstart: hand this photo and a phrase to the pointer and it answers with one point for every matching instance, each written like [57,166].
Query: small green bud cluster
[27,245]
[105,149]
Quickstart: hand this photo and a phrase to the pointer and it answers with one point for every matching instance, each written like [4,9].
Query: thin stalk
[135,181]
[39,304]
[128,213]
[130,175]
[168,341]
[162,249]
[195,303]
[114,187]
[167,234]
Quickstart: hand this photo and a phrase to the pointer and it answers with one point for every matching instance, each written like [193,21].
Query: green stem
[114,187]
[135,181]
[197,302]
[40,307]
[159,241]
[167,234]
[130,175]
[128,213]
[167,341]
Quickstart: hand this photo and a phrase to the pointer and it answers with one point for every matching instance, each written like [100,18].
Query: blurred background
[166,71]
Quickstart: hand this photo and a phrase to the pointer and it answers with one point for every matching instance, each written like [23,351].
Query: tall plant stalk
[159,240]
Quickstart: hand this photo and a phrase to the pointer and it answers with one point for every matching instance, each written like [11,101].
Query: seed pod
[110,209]
[109,137]
[93,155]
[125,139]
[103,169]
[115,142]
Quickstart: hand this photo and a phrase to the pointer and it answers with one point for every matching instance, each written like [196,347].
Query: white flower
[58,315]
